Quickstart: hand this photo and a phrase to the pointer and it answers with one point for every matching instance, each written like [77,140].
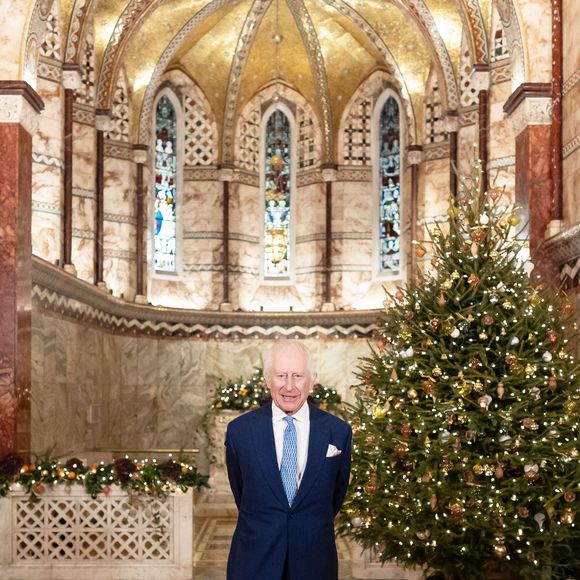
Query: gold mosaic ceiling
[327,47]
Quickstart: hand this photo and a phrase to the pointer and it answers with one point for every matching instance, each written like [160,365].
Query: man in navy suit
[288,464]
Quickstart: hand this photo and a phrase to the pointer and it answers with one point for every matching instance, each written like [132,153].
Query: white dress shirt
[302,424]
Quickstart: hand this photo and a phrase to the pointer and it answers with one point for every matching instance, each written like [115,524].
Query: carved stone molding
[414,155]
[201,174]
[19,103]
[529,104]
[71,77]
[354,173]
[119,150]
[140,153]
[564,247]
[58,293]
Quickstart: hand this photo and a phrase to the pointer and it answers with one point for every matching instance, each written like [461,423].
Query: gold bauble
[500,550]
[567,517]
[573,453]
[514,219]
[447,284]
[412,394]
[478,469]
[570,406]
[379,412]
[437,371]
[462,389]
[446,465]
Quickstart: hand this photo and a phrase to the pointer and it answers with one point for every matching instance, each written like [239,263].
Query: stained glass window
[165,177]
[277,200]
[390,188]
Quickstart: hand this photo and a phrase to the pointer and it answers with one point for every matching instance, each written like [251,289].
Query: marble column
[140,159]
[102,123]
[71,80]
[19,106]
[481,82]
[557,89]
[329,174]
[451,128]
[529,109]
[226,176]
[414,158]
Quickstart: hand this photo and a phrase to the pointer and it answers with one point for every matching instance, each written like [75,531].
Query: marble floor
[212,542]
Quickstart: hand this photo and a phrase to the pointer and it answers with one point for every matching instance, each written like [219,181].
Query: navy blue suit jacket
[269,532]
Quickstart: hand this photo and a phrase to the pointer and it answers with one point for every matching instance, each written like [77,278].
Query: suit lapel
[317,446]
[263,436]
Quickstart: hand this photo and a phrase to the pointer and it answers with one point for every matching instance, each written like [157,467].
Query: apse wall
[107,375]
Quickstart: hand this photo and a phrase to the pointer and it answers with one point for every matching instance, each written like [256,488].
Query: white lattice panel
[199,138]
[250,141]
[149,538]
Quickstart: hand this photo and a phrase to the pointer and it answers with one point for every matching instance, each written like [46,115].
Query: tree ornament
[535,299]
[441,300]
[567,517]
[473,280]
[530,423]
[406,430]
[540,518]
[500,390]
[494,193]
[435,323]
[514,341]
[514,219]
[371,486]
[488,320]
[569,406]
[420,251]
[569,496]
[423,535]
[562,354]
[433,501]
[510,359]
[477,386]
[550,511]
[399,295]
[478,469]
[523,512]
[552,336]
[437,371]
[401,449]
[412,394]
[517,445]
[568,307]
[462,389]
[455,333]
[478,235]
[356,430]
[429,386]
[547,356]
[456,510]
[499,473]
[484,402]
[500,550]
[502,223]
[356,522]
[474,363]
[446,465]
[39,489]
[447,284]
[483,219]
[531,472]
[508,304]
[380,412]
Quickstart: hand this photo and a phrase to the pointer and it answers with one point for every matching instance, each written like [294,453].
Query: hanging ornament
[474,363]
[488,320]
[441,301]
[569,406]
[433,501]
[483,336]
[435,323]
[379,412]
[552,336]
[569,496]
[437,371]
[401,449]
[406,430]
[530,423]
[446,465]
[484,401]
[356,430]
[447,328]
[540,518]
[568,307]
[371,486]
[499,473]
[536,393]
[455,332]
[514,219]
[412,394]
[478,235]
[517,445]
[484,219]
[550,511]
[500,390]
[456,510]
[523,512]
[535,299]
[510,359]
[447,284]
[356,522]
[424,535]
[531,472]
[547,356]
[494,193]
[420,251]
[567,517]
[478,469]
[399,295]
[473,280]
[457,444]
[515,341]
[462,389]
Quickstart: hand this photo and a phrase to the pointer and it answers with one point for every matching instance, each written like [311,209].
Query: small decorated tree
[466,432]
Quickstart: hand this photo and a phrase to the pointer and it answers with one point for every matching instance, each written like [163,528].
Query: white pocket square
[332,451]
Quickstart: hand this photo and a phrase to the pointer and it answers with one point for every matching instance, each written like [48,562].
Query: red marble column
[529,108]
[18,106]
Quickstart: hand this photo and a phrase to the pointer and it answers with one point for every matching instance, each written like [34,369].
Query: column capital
[103,120]
[20,103]
[529,104]
[71,76]
[480,77]
[414,154]
[451,121]
[329,172]
[140,153]
[226,172]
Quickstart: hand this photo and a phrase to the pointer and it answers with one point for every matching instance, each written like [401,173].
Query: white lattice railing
[69,535]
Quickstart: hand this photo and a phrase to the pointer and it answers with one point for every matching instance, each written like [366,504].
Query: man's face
[289,380]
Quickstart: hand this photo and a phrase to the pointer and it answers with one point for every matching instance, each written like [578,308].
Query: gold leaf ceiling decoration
[328,48]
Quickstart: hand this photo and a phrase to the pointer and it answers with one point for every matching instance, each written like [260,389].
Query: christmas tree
[466,432]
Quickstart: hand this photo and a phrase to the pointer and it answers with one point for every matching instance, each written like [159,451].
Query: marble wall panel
[537,39]
[571,114]
[501,136]
[467,140]
[84,152]
[48,138]
[310,209]
[13,28]
[119,187]
[352,206]
[570,46]
[571,170]
[120,276]
[435,180]
[95,389]
[202,206]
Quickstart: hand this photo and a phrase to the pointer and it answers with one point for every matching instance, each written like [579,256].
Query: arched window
[277,184]
[165,186]
[389,178]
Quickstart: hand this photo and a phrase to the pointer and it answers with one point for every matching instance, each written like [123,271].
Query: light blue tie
[289,466]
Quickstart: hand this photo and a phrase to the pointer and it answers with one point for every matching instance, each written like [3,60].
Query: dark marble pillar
[140,159]
[557,87]
[452,127]
[529,108]
[226,175]
[414,158]
[481,82]
[19,105]
[329,174]
[102,121]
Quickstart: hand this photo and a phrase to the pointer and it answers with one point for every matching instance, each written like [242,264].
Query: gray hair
[281,345]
